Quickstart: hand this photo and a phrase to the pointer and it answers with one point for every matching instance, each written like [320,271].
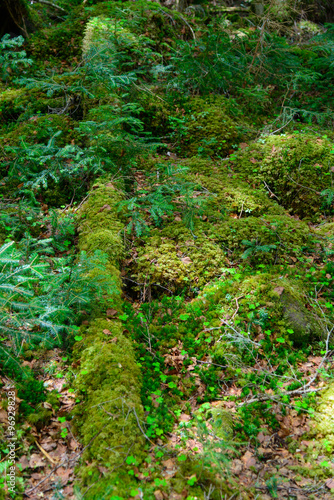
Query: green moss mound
[174,259]
[291,238]
[208,129]
[60,42]
[99,225]
[295,167]
[110,379]
[279,301]
[40,129]
[231,194]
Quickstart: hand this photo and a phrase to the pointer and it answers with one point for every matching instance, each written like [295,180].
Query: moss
[110,379]
[108,420]
[40,418]
[230,192]
[150,17]
[296,167]
[282,300]
[326,230]
[324,414]
[60,43]
[155,112]
[222,421]
[99,226]
[292,238]
[40,129]
[175,259]
[208,129]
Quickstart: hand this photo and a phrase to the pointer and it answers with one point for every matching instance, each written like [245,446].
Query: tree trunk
[14,16]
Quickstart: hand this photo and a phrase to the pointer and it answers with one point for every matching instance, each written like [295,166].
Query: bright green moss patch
[208,129]
[295,167]
[109,378]
[99,226]
[175,259]
[230,192]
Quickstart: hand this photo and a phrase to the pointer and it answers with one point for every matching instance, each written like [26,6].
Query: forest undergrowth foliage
[186,154]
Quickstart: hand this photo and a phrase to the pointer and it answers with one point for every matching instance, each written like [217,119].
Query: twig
[281,128]
[237,309]
[50,4]
[83,201]
[270,191]
[242,209]
[301,185]
[45,453]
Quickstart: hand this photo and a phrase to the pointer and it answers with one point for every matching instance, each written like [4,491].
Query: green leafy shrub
[12,61]
[39,303]
[168,190]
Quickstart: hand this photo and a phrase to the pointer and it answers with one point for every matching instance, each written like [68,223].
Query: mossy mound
[40,129]
[270,297]
[324,415]
[290,238]
[231,194]
[295,167]
[20,104]
[110,379]
[175,259]
[208,129]
[60,43]
[149,18]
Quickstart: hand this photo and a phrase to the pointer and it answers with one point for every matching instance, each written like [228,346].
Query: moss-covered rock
[208,129]
[231,194]
[280,300]
[295,167]
[174,259]
[271,238]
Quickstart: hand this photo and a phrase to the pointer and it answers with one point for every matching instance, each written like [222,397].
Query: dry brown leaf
[107,332]
[105,207]
[111,312]
[330,484]
[36,460]
[186,260]
[248,459]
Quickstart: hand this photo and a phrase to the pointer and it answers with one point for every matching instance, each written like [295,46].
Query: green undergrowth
[190,252]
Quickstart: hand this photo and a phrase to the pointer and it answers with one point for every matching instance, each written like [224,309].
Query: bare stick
[50,4]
